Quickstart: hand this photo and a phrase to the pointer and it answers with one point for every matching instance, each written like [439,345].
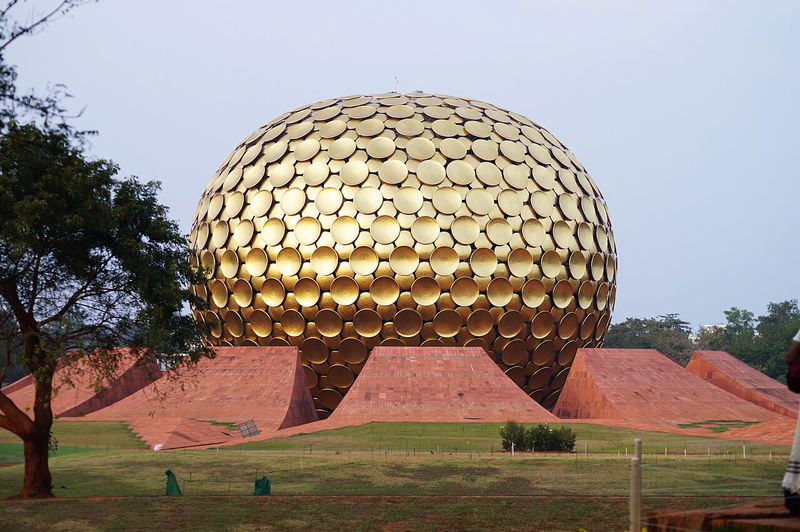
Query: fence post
[636,487]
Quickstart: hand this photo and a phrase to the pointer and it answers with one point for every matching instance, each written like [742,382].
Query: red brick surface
[745,518]
[644,385]
[73,392]
[266,384]
[442,384]
[732,375]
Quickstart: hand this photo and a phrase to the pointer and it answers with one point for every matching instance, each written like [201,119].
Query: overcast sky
[685,113]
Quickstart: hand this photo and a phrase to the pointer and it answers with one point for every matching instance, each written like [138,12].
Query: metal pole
[636,487]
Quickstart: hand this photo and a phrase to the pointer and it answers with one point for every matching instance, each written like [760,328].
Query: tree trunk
[38,482]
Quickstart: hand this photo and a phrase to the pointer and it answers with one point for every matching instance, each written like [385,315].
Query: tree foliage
[666,333]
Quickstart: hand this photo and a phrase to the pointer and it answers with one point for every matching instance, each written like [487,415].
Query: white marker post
[636,487]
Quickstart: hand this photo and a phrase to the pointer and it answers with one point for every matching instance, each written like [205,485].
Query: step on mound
[74,393]
[734,376]
[435,384]
[265,384]
[644,385]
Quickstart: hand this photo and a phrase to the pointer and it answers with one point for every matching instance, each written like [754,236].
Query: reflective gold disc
[533,293]
[219,235]
[430,172]
[446,200]
[598,264]
[273,292]
[380,147]
[444,261]
[328,322]
[489,174]
[385,229]
[261,323]
[280,174]
[567,353]
[446,128]
[261,203]
[465,230]
[464,291]
[403,260]
[293,200]
[229,263]
[273,231]
[332,129]
[499,292]
[516,374]
[520,262]
[562,234]
[329,398]
[545,353]
[314,350]
[242,293]
[289,261]
[393,172]
[420,148]
[384,290]
[602,326]
[425,229]
[515,353]
[425,291]
[368,200]
[353,173]
[540,378]
[243,233]
[447,323]
[233,204]
[341,148]
[480,322]
[587,327]
[367,323]
[410,127]
[510,324]
[483,262]
[602,296]
[577,264]
[324,260]
[551,264]
[568,326]
[585,295]
[341,376]
[460,173]
[498,231]
[562,294]
[307,230]
[542,325]
[306,149]
[485,149]
[408,200]
[480,201]
[453,148]
[293,322]
[353,351]
[510,202]
[363,260]
[219,293]
[407,323]
[370,127]
[306,292]
[234,324]
[344,230]
[344,290]
[533,232]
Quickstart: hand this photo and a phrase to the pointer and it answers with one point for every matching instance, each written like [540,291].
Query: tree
[88,262]
[666,333]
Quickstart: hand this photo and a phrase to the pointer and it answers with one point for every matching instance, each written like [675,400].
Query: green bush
[539,437]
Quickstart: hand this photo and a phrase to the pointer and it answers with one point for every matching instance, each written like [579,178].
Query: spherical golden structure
[406,219]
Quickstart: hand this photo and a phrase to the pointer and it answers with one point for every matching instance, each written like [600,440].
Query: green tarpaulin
[172,484]
[262,487]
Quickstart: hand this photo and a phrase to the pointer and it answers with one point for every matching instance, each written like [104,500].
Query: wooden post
[636,487]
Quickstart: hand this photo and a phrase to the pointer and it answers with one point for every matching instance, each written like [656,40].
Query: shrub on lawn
[540,437]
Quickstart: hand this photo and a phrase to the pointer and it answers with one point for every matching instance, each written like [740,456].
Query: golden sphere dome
[406,219]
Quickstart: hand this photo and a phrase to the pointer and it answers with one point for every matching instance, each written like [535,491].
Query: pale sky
[685,113]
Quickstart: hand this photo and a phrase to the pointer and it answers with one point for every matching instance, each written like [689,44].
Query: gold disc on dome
[533,293]
[233,204]
[289,261]
[368,200]
[261,323]
[410,127]
[430,172]
[219,293]
[380,147]
[577,264]
[460,173]
[446,200]
[332,129]
[499,231]
[446,128]
[407,323]
[341,148]
[520,262]
[567,353]
[353,173]
[587,327]
[353,351]
[515,353]
[367,323]
[425,291]
[551,264]
[499,292]
[293,200]
[464,291]
[324,260]
[585,295]
[404,260]
[510,202]
[384,229]
[480,201]
[465,230]
[562,294]
[480,322]
[329,398]
[328,323]
[256,262]
[542,325]
[562,234]
[307,230]
[273,231]
[306,292]
[408,200]
[370,127]
[425,230]
[485,149]
[447,323]
[516,374]
[328,200]
[273,292]
[483,262]
[420,148]
[510,324]
[568,326]
[341,376]
[363,260]
[242,293]
[344,290]
[261,203]
[234,324]
[444,261]
[293,323]
[306,149]
[344,230]
[384,290]
[314,350]
[229,264]
[540,378]
[392,171]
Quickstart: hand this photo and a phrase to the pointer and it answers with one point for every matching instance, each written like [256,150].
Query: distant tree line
[760,342]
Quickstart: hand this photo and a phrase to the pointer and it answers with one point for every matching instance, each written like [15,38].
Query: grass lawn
[382,476]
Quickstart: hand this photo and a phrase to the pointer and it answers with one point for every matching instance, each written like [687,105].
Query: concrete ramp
[734,376]
[644,385]
[74,393]
[434,384]
[266,384]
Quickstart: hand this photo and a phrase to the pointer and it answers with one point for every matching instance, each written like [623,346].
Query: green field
[382,476]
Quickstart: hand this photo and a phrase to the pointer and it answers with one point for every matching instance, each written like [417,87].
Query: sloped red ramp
[266,384]
[644,385]
[734,376]
[437,384]
[74,394]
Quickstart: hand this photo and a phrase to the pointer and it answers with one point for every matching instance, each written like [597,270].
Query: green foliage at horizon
[539,437]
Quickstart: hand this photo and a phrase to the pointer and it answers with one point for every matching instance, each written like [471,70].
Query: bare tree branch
[62,8]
